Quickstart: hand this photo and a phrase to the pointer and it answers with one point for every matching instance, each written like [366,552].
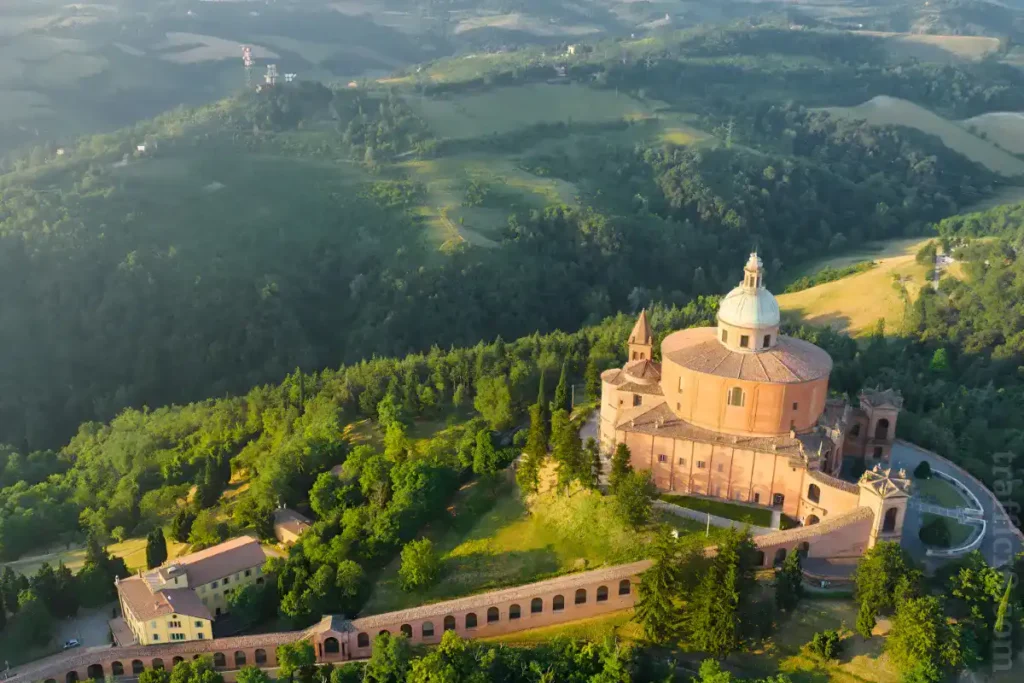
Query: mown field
[131,550]
[855,304]
[894,111]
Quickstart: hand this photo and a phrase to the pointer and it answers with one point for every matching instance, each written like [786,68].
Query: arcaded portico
[740,411]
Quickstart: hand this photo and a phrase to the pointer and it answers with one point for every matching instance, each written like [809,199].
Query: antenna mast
[248,62]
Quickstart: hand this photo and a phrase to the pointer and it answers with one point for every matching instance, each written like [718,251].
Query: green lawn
[496,540]
[939,491]
[958,533]
[740,513]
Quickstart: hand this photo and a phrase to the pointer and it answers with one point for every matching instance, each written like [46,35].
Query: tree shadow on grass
[474,572]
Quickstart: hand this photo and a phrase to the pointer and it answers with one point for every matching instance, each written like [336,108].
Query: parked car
[73,643]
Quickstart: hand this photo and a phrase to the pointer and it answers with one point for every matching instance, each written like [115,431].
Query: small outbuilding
[289,525]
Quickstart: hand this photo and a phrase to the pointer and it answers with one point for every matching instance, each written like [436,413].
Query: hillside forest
[213,249]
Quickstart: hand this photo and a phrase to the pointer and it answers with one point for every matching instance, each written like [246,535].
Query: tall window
[744,340]
[767,340]
[637,400]
[725,336]
[736,396]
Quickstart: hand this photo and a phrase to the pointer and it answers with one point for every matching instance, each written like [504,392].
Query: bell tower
[886,492]
[641,341]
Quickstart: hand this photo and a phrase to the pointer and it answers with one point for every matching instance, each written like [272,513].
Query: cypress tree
[1004,607]
[621,466]
[789,585]
[562,399]
[181,525]
[596,467]
[528,473]
[156,548]
[593,380]
[545,415]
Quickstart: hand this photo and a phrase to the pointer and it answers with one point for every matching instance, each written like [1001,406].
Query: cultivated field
[1004,128]
[503,110]
[893,111]
[927,47]
[855,304]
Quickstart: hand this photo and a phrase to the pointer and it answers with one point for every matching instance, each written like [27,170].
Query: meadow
[855,304]
[1005,129]
[938,48]
[496,539]
[894,111]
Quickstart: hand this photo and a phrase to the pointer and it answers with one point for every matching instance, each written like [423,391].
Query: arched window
[813,493]
[239,658]
[811,520]
[882,429]
[889,523]
[117,668]
[427,629]
[471,620]
[855,430]
[406,630]
[159,663]
[331,646]
[602,593]
[780,557]
[804,548]
[174,662]
[558,603]
[71,677]
[581,596]
[95,672]
[449,623]
[624,587]
[384,632]
[736,397]
[219,659]
[137,666]
[536,606]
[778,500]
[363,640]
[493,615]
[261,656]
[513,612]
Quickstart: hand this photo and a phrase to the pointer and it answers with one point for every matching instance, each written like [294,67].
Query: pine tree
[567,450]
[485,458]
[156,548]
[593,453]
[593,380]
[181,525]
[562,399]
[657,608]
[3,614]
[528,474]
[621,466]
[789,584]
[1004,608]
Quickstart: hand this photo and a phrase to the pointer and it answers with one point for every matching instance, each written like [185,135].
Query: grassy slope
[854,304]
[894,111]
[740,513]
[133,550]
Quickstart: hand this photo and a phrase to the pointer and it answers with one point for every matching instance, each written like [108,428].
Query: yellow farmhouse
[178,601]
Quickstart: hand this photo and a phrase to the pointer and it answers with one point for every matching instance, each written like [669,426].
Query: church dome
[750,305]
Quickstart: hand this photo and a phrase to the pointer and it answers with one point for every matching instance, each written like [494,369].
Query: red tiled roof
[789,361]
[224,559]
[641,333]
[146,604]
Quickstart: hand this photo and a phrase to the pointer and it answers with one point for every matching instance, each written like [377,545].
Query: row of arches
[137,666]
[493,615]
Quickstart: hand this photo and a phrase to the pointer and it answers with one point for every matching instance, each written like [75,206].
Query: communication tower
[248,62]
[270,78]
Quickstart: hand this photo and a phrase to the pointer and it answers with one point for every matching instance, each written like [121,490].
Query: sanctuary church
[742,412]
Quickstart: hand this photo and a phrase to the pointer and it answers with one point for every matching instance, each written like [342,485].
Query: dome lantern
[748,316]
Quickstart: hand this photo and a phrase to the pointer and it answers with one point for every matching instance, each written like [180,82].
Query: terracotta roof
[835,483]
[290,520]
[481,602]
[789,361]
[146,604]
[879,398]
[613,376]
[643,371]
[661,421]
[651,389]
[641,333]
[803,533]
[224,559]
[886,482]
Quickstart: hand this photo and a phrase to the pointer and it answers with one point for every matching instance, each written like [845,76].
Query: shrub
[923,470]
[826,644]
[935,532]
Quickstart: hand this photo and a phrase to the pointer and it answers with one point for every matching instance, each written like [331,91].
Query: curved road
[1002,540]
